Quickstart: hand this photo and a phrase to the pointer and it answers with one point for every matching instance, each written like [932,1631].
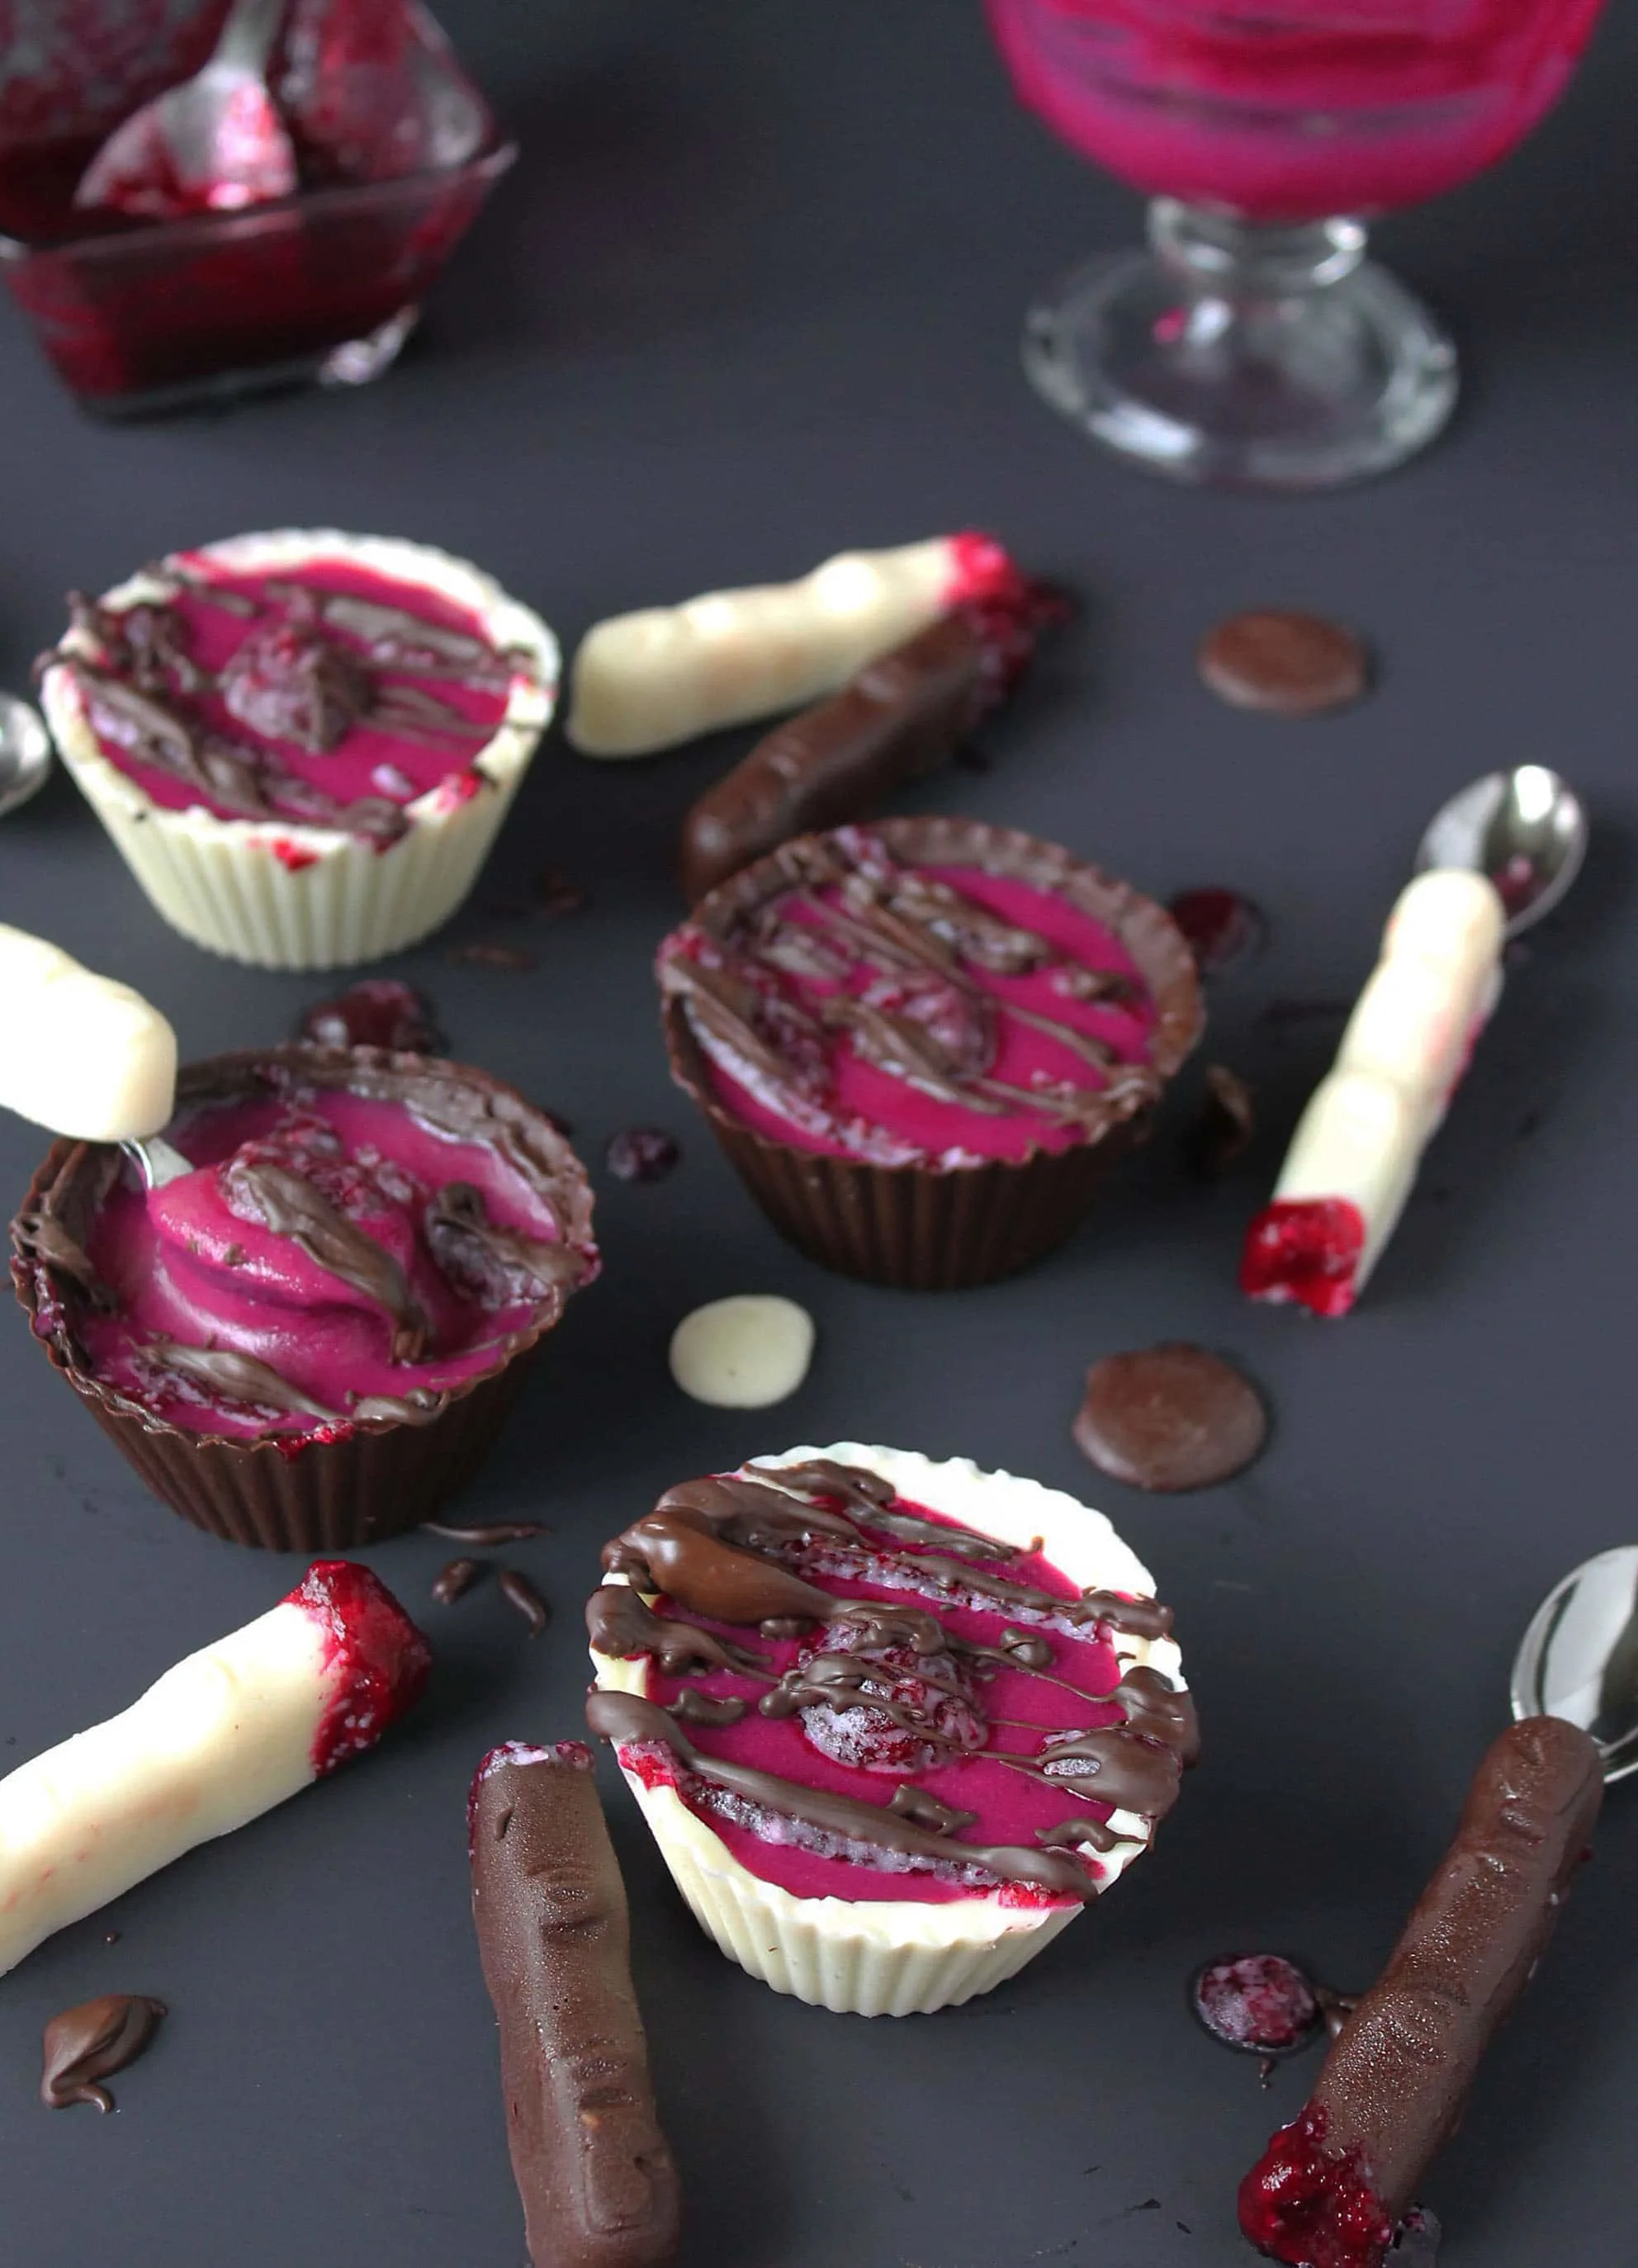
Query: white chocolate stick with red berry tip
[222,1737]
[649,680]
[80,1053]
[1353,1159]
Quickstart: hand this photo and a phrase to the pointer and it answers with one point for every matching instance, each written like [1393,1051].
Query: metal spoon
[156,1160]
[25,753]
[216,144]
[1579,1657]
[1525,829]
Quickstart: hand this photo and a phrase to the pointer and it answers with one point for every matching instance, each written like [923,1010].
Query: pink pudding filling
[962,1049]
[196,1265]
[991,1718]
[1289,110]
[327,693]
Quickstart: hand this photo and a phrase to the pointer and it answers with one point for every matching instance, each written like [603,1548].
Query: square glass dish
[139,315]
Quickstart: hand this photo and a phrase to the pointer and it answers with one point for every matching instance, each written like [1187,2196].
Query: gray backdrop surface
[753,295]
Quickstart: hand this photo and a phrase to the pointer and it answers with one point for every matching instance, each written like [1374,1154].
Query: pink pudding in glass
[328,695]
[866,1699]
[856,1001]
[361,1235]
[1291,110]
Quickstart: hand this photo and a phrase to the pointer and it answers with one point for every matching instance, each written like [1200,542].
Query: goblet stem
[1246,354]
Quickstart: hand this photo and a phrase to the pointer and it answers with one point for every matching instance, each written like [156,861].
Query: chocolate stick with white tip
[1335,2184]
[594,2172]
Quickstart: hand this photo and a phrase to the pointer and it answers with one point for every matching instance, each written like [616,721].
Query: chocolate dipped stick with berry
[1332,2187]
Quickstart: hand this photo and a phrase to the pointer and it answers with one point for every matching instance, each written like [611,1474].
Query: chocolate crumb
[489,1532]
[555,893]
[517,959]
[642,1153]
[1223,1125]
[519,1592]
[456,1580]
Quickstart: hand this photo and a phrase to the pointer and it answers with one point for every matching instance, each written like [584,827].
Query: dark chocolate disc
[1170,1418]
[1287,664]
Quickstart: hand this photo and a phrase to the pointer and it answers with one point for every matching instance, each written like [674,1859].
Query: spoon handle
[79,1053]
[248,34]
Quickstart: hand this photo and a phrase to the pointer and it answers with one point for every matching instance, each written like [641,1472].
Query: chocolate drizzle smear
[89,2044]
[732,1549]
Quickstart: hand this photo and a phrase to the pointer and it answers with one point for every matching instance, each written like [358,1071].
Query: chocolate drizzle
[292,680]
[288,1204]
[878,1683]
[856,907]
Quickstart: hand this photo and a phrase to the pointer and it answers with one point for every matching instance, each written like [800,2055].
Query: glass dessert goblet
[1253,345]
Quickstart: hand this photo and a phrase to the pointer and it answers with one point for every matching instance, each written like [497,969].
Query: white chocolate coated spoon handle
[79,1053]
[1353,1159]
[223,1736]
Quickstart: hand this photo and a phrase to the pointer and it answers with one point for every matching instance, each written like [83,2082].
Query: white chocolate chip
[743,1353]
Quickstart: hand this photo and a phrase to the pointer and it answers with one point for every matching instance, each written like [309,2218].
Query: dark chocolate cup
[933,1227]
[320,1492]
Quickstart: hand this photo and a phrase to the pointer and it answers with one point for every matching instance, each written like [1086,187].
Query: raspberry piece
[1258,2002]
[642,1153]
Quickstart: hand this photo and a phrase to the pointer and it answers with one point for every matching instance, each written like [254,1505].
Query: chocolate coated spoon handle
[1332,2186]
[594,2170]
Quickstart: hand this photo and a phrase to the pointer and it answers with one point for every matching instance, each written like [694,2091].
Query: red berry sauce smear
[1305,1250]
[1257,2001]
[1303,2205]
[376,1658]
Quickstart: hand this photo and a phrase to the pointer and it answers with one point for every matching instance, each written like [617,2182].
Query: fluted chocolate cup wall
[320,1492]
[934,1227]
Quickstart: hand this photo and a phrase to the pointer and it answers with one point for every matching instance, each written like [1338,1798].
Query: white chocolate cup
[901,1957]
[332,899]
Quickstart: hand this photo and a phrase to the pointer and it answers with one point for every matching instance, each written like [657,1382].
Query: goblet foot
[1243,355]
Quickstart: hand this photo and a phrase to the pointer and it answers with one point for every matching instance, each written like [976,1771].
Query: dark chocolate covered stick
[900,718]
[594,2172]
[1332,2187]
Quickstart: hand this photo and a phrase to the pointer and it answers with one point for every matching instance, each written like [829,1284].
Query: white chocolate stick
[648,680]
[79,1053]
[221,1738]
[1353,1159]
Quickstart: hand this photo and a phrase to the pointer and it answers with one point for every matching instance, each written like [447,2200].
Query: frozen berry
[287,682]
[642,1153]
[884,1708]
[1220,926]
[377,1013]
[1258,2002]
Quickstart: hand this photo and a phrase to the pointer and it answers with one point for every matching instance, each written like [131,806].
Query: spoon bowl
[1579,1657]
[1525,828]
[25,753]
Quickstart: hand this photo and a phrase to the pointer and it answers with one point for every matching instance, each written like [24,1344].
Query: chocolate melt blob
[1171,1417]
[91,2042]
[594,2172]
[1285,663]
